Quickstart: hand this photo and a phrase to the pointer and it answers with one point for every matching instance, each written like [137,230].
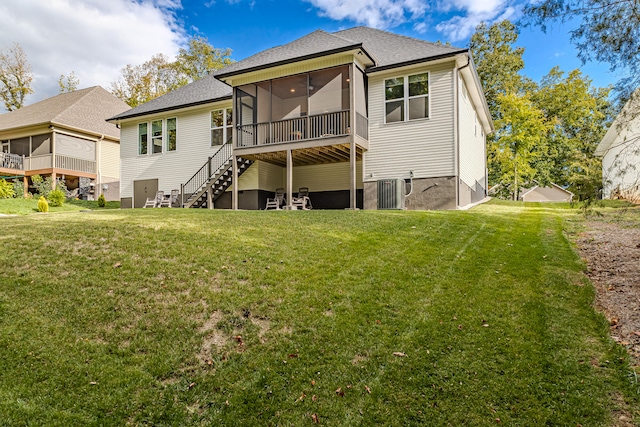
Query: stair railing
[207,171]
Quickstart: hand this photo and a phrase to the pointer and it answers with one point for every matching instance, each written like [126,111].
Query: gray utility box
[391,193]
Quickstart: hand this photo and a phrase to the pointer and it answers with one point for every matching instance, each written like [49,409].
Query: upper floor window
[163,136]
[142,138]
[221,126]
[406,98]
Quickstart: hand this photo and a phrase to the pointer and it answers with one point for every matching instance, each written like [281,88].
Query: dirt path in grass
[611,248]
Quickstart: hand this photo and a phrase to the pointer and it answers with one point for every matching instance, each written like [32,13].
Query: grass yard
[28,206]
[194,317]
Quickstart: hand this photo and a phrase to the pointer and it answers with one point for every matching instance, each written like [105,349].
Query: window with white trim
[221,126]
[142,138]
[164,136]
[406,98]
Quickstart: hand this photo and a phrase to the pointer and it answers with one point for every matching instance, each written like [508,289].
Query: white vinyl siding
[110,159]
[425,147]
[472,141]
[175,168]
[620,170]
[328,177]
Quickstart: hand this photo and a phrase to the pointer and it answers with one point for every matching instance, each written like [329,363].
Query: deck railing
[362,126]
[75,164]
[293,130]
[11,161]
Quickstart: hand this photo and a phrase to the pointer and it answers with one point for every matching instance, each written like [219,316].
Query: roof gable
[84,109]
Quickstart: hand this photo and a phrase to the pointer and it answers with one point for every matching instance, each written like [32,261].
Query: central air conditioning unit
[391,193]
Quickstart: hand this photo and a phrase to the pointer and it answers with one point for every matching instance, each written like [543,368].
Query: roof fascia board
[171,112]
[177,109]
[470,76]
[23,131]
[80,133]
[431,59]
[354,47]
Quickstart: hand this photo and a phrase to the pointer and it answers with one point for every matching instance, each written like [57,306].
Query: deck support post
[289,179]
[210,198]
[25,181]
[234,183]
[352,145]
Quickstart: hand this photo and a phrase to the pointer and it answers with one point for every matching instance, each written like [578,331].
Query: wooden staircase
[212,180]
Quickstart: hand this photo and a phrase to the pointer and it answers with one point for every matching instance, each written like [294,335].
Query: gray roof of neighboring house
[84,109]
[203,91]
[386,50]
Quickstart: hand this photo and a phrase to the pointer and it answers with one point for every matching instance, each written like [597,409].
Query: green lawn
[28,206]
[170,317]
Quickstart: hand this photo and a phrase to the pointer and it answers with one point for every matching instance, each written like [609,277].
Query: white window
[142,139]
[406,98]
[163,136]
[172,136]
[221,126]
[156,136]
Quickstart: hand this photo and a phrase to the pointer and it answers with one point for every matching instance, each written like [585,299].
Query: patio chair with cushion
[154,202]
[276,202]
[302,201]
[169,200]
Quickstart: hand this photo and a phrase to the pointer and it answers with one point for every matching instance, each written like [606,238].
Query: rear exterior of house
[65,137]
[362,117]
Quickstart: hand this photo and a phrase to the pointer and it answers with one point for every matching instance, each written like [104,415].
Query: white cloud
[373,13]
[473,12]
[93,38]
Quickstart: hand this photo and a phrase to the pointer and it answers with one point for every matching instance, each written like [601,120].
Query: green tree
[141,83]
[519,143]
[68,83]
[15,77]
[579,114]
[201,59]
[498,63]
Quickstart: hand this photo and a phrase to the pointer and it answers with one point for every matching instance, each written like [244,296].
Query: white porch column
[352,146]
[234,182]
[289,178]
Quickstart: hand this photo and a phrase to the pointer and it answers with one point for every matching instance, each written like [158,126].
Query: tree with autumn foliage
[138,84]
[15,77]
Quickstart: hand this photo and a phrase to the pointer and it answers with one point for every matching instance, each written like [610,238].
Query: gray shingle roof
[386,49]
[205,90]
[312,45]
[84,109]
[393,50]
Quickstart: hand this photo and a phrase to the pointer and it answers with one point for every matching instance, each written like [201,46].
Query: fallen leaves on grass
[117,265]
[399,354]
[340,392]
[315,418]
[368,389]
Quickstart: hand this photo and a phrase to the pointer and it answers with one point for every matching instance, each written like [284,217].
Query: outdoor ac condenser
[391,193]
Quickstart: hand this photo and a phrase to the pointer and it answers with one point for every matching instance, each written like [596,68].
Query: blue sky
[96,38]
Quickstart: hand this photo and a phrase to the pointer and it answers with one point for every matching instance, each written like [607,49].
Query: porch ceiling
[309,156]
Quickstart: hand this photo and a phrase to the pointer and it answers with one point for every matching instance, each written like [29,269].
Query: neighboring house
[620,152]
[551,193]
[65,137]
[362,117]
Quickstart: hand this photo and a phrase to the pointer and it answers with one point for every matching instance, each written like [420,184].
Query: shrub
[56,197]
[43,206]
[18,188]
[43,186]
[6,190]
[101,201]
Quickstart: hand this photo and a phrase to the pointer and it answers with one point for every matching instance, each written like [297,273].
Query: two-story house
[361,117]
[65,137]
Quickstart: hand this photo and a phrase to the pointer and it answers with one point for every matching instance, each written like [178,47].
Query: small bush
[101,201]
[6,190]
[18,188]
[43,186]
[56,197]
[43,205]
